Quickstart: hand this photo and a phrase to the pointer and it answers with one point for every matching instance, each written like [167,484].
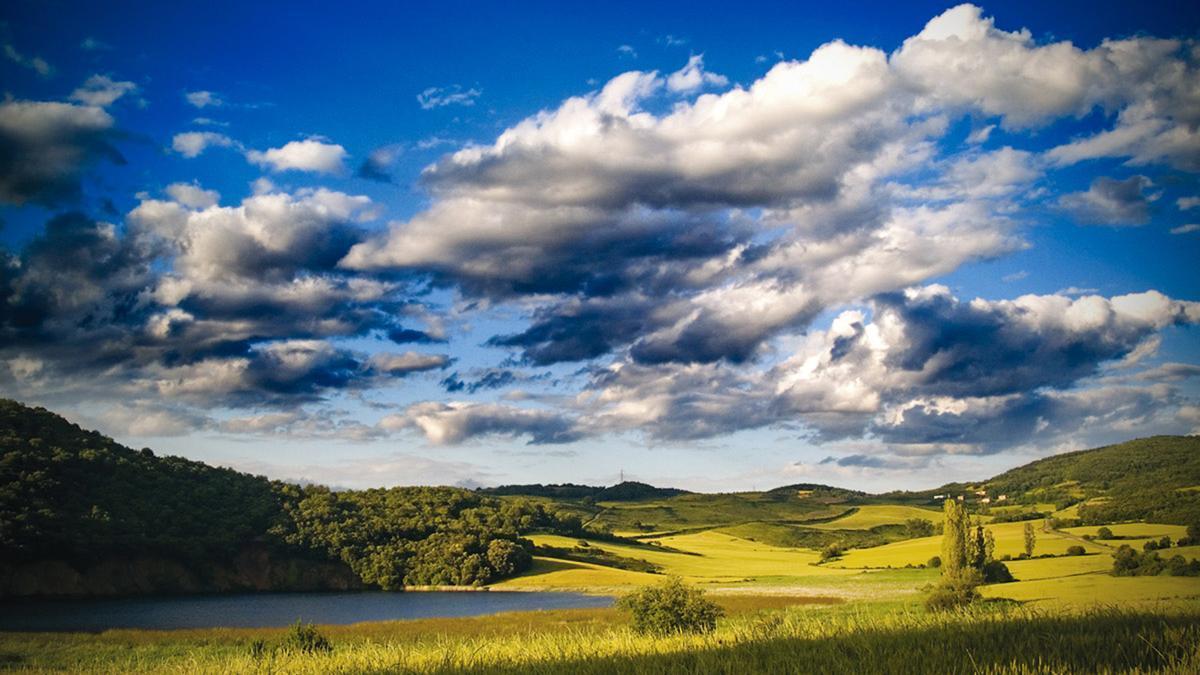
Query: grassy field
[1010,540]
[706,511]
[873,515]
[995,639]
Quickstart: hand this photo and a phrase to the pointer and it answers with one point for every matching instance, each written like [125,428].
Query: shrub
[304,638]
[831,551]
[996,572]
[934,562]
[670,607]
[1177,566]
[1104,533]
[1150,546]
[1165,542]
[954,590]
[1076,550]
[919,527]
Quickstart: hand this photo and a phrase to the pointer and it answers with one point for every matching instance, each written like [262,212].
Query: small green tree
[1104,533]
[954,537]
[831,552]
[306,639]
[1030,539]
[670,607]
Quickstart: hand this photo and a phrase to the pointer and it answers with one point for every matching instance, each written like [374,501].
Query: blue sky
[715,246]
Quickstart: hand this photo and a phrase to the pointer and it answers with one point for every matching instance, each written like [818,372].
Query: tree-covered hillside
[1155,479]
[79,498]
[70,493]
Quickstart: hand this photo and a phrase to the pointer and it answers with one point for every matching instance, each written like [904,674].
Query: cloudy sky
[715,247]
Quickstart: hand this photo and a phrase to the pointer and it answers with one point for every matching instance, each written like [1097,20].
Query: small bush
[934,562]
[306,639]
[954,591]
[1076,550]
[996,572]
[1104,533]
[670,607]
[1165,542]
[1150,546]
[831,552]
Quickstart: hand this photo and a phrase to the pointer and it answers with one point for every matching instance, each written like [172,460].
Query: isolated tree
[1030,539]
[670,607]
[954,538]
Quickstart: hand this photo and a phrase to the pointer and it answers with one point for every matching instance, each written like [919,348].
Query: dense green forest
[77,496]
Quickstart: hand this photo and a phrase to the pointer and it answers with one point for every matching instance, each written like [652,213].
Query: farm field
[872,515]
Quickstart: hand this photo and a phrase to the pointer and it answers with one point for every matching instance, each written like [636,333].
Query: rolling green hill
[74,501]
[1150,479]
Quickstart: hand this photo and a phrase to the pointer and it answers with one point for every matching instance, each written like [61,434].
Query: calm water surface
[275,609]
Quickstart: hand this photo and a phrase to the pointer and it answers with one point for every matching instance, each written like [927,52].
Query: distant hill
[1155,479]
[621,492]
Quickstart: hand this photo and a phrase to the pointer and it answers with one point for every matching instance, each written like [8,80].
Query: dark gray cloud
[488,378]
[378,165]
[452,423]
[988,425]
[46,146]
[956,348]
[1109,201]
[216,305]
[401,335]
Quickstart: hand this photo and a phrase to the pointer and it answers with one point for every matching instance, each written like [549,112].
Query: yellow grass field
[1100,589]
[870,516]
[550,573]
[711,557]
[1010,540]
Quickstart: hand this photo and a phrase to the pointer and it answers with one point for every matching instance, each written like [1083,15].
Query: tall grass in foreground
[1004,640]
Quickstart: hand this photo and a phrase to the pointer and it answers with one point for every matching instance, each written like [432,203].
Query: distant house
[1002,498]
[960,498]
[985,500]
[939,496]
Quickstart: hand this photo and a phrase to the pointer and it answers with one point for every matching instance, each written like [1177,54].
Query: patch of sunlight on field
[1040,507]
[1188,552]
[1049,568]
[711,556]
[1098,589]
[1010,540]
[870,516]
[1135,534]
[569,574]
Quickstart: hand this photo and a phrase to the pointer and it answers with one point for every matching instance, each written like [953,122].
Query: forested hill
[621,492]
[1155,479]
[73,493]
[81,514]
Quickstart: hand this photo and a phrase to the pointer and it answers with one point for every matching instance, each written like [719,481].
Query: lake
[256,610]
